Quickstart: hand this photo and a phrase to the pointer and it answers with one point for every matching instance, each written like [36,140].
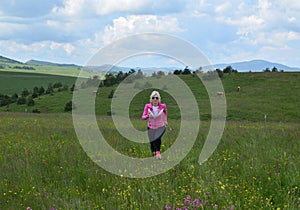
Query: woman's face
[155,100]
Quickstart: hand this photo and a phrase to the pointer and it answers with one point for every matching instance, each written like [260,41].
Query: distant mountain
[245,66]
[37,62]
[108,68]
[8,60]
[256,66]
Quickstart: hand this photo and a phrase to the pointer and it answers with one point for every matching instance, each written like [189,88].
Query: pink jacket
[155,122]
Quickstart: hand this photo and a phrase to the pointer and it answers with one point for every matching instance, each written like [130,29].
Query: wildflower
[231,207]
[196,202]
[187,200]
[28,208]
[168,207]
[215,206]
[207,203]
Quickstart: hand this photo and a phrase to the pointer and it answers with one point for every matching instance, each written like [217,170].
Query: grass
[256,166]
[15,82]
[69,71]
[274,95]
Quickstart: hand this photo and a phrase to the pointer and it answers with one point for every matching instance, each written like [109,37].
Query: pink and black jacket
[155,121]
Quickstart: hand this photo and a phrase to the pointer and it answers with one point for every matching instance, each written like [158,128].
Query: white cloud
[223,7]
[73,8]
[75,29]
[105,7]
[290,4]
[134,24]
[8,29]
[69,48]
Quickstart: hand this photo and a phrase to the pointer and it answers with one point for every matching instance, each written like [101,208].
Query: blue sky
[72,31]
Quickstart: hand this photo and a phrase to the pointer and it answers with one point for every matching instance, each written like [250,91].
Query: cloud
[223,7]
[75,29]
[73,8]
[134,24]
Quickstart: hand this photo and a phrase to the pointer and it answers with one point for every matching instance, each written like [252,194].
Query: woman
[156,113]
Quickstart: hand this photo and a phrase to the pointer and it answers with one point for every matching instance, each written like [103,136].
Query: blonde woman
[156,114]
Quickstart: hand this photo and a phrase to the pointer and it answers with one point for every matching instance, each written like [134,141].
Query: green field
[275,95]
[255,166]
[15,82]
[40,69]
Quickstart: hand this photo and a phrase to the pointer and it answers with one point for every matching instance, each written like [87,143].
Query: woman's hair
[153,94]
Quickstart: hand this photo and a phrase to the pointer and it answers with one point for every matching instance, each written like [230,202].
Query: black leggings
[155,138]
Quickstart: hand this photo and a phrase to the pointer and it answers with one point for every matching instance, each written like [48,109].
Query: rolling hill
[37,62]
[8,60]
[243,66]
[256,66]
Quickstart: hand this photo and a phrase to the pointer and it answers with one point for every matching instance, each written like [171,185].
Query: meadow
[255,166]
[274,95]
[15,82]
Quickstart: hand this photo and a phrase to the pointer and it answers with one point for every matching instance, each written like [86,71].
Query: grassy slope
[275,95]
[41,69]
[15,82]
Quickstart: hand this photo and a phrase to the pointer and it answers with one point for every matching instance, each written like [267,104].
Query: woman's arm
[165,115]
[145,113]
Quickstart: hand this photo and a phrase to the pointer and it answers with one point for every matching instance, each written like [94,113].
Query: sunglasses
[154,98]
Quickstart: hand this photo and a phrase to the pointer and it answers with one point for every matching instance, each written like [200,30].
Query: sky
[73,31]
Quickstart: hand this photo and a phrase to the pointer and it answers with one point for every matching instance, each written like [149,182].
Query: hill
[8,60]
[256,66]
[262,94]
[37,62]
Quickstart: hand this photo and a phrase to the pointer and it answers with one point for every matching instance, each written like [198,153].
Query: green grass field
[255,166]
[15,82]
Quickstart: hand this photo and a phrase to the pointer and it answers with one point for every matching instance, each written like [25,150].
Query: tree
[21,100]
[220,73]
[72,88]
[30,101]
[154,74]
[274,69]
[4,100]
[228,70]
[69,106]
[49,89]
[186,70]
[160,74]
[57,85]
[41,90]
[177,72]
[25,92]
[139,74]
[14,98]
[111,94]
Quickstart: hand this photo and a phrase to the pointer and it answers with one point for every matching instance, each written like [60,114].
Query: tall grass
[256,166]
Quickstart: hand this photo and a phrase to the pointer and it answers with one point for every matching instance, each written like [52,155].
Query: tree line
[27,97]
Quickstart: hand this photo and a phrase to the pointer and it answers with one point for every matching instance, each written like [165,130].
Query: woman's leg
[155,138]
